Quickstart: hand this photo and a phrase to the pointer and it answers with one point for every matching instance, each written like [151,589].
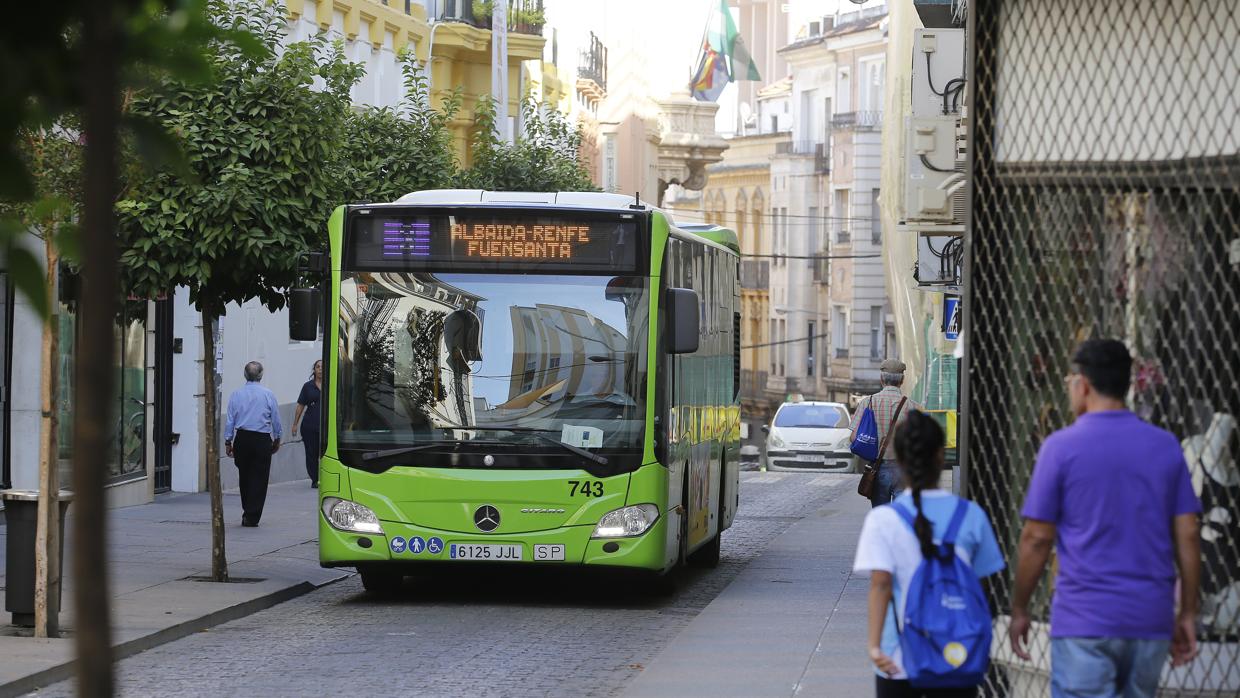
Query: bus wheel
[707,555]
[380,581]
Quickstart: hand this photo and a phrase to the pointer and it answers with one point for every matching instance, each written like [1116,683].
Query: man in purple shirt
[1114,496]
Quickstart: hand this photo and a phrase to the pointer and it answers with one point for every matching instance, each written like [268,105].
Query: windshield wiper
[393,452]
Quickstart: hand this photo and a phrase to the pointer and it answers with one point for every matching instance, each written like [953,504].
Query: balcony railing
[822,158]
[755,274]
[797,147]
[841,352]
[524,16]
[857,120]
[821,267]
[592,63]
[753,384]
[843,237]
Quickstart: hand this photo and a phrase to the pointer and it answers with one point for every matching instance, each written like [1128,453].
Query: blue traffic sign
[951,318]
[434,546]
[416,545]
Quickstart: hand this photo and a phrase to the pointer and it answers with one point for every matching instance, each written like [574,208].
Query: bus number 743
[585,488]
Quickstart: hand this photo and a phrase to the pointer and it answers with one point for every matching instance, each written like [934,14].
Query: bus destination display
[485,238]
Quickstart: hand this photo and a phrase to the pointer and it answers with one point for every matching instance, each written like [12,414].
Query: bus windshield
[494,360]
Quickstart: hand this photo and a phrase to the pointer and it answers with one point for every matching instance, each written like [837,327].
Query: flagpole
[710,14]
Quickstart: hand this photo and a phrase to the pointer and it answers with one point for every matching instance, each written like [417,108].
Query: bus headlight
[629,521]
[345,515]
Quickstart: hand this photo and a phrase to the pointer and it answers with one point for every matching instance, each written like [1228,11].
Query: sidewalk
[792,623]
[153,550]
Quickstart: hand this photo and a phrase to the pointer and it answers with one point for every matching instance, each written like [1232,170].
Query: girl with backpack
[929,622]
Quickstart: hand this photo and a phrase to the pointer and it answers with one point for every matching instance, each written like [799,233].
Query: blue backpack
[946,632]
[865,444]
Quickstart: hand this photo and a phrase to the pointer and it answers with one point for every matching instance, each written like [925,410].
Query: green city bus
[546,379]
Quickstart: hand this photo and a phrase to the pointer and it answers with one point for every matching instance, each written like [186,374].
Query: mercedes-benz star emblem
[486,518]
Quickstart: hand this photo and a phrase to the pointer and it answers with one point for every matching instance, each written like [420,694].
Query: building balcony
[857,121]
[753,384]
[592,63]
[821,267]
[841,352]
[524,16]
[796,147]
[820,151]
[843,237]
[756,274]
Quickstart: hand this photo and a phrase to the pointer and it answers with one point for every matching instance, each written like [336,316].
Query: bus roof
[583,199]
[716,234]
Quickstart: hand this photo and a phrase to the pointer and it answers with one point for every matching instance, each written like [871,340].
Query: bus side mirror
[683,320]
[303,314]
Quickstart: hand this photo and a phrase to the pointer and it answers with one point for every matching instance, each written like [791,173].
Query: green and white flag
[724,57]
[725,39]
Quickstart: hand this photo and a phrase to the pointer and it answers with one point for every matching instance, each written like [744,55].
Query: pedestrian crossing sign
[951,318]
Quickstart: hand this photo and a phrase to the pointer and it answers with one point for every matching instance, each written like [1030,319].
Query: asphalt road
[477,632]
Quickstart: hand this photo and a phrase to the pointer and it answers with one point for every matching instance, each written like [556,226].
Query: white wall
[251,333]
[25,394]
[187,398]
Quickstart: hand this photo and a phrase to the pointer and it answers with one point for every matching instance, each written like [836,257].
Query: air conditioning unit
[933,169]
[938,64]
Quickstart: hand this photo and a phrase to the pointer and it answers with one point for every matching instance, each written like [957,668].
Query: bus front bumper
[393,547]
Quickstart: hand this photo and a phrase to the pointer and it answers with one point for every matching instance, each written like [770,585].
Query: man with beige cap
[884,402]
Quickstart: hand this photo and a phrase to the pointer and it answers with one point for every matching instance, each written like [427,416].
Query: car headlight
[345,515]
[777,442]
[629,521]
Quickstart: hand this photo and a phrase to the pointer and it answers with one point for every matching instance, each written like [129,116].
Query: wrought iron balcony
[755,274]
[592,63]
[857,120]
[753,384]
[810,147]
[524,16]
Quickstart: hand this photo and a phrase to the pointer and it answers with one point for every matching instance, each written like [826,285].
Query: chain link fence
[1106,203]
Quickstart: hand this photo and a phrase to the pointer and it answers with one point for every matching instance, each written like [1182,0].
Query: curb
[137,645]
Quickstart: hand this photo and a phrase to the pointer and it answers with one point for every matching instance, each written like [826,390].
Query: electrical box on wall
[930,159]
[939,261]
[938,60]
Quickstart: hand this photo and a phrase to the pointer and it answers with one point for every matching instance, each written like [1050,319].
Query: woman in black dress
[308,403]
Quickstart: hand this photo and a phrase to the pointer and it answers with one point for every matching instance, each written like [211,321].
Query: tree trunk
[47,536]
[95,364]
[219,561]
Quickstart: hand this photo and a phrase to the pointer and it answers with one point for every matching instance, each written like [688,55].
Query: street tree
[388,152]
[77,56]
[260,144]
[545,156]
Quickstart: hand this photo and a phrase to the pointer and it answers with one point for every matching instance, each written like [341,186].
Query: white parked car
[809,435]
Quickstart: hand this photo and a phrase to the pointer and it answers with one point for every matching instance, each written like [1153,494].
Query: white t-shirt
[887,544]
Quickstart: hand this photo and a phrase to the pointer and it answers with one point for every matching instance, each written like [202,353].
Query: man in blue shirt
[251,435]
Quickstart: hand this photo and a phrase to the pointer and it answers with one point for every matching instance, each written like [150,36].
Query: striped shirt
[884,405]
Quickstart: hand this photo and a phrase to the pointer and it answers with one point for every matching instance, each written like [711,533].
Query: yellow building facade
[458,51]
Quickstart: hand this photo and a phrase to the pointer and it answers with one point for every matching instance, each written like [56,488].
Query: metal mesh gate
[1106,203]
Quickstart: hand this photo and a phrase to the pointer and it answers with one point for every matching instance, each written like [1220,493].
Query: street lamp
[430,54]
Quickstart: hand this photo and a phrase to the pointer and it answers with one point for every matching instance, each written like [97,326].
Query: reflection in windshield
[492,357]
[812,416]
